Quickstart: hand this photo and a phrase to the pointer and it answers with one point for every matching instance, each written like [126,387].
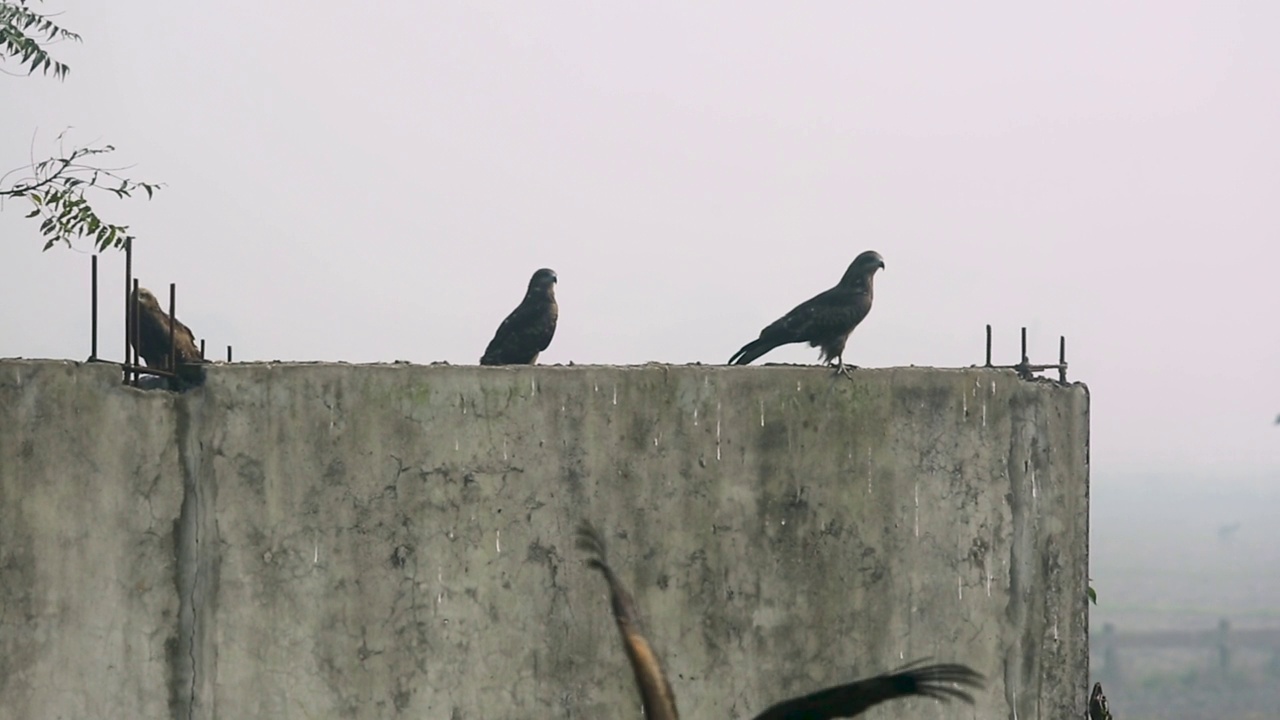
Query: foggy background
[378,182]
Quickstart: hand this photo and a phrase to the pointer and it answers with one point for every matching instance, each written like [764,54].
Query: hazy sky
[377,181]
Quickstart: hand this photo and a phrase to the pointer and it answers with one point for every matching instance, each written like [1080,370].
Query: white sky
[372,182]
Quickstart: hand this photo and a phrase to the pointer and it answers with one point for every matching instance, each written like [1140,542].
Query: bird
[655,692]
[825,320]
[150,337]
[841,701]
[1098,709]
[528,330]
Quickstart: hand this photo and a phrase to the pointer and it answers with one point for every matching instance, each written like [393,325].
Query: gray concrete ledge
[312,540]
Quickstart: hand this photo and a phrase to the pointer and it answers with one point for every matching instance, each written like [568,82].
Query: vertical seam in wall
[187,566]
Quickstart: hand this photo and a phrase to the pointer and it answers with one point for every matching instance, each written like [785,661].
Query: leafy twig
[57,189]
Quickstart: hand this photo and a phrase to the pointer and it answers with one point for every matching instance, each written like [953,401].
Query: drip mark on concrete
[917,508]
[717,431]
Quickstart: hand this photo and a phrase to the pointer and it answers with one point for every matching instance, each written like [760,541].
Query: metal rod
[137,324]
[93,323]
[988,346]
[1024,345]
[1062,358]
[144,370]
[173,322]
[1028,367]
[129,318]
[228,353]
[201,348]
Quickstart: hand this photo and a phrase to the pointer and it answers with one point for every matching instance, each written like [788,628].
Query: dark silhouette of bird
[941,682]
[1098,709]
[150,337]
[825,320]
[528,330]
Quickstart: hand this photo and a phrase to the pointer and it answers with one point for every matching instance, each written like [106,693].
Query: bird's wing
[185,345]
[833,312]
[655,692]
[529,328]
[1098,709]
[152,335]
[844,701]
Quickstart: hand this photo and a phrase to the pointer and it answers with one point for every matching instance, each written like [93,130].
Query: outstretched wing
[655,692]
[941,682]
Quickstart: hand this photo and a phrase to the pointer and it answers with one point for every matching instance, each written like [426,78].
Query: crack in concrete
[187,565]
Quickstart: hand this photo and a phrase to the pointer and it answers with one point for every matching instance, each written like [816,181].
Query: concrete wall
[334,541]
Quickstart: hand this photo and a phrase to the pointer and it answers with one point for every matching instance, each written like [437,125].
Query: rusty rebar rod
[173,321]
[132,359]
[1062,358]
[93,311]
[144,370]
[129,318]
[1024,367]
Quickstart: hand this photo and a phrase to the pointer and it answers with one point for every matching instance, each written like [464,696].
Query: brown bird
[150,337]
[1098,709]
[655,692]
[528,330]
[842,701]
[825,320]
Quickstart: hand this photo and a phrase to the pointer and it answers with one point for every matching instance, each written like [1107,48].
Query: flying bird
[941,682]
[149,336]
[1098,709]
[528,330]
[655,692]
[844,701]
[825,320]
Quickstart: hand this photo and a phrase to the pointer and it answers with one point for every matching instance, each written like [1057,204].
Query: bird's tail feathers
[751,351]
[941,682]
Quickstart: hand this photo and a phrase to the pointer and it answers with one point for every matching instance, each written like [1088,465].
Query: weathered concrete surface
[306,541]
[88,499]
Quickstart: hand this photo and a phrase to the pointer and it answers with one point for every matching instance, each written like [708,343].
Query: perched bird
[1098,709]
[842,701]
[149,335]
[529,328]
[824,320]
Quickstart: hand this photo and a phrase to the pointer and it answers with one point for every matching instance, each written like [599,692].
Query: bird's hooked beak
[870,259]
